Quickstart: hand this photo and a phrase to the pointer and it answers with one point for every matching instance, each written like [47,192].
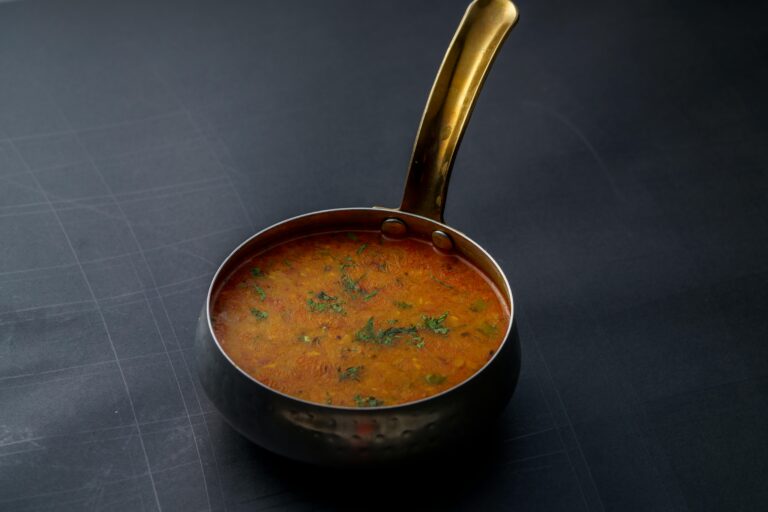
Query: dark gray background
[615,165]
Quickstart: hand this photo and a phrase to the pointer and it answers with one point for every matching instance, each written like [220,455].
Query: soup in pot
[356,319]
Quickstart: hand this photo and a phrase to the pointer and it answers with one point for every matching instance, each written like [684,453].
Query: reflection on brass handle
[466,63]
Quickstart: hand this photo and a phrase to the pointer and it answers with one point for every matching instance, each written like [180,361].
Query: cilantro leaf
[351,373]
[367,401]
[261,315]
[261,292]
[434,379]
[435,324]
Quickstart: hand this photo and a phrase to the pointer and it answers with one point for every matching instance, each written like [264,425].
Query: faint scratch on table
[584,140]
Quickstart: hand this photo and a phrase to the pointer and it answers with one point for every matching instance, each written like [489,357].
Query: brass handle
[466,63]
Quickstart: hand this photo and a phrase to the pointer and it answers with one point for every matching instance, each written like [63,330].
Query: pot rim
[360,410]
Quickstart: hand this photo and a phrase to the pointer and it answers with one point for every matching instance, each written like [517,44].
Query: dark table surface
[615,165]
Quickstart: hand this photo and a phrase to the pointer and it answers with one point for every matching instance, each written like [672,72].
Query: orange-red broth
[355,319]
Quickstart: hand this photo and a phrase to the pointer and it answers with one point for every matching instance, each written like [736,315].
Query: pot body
[344,436]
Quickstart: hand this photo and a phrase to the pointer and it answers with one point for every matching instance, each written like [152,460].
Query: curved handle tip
[465,66]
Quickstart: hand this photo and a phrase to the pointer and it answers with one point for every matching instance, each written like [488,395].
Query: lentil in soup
[356,319]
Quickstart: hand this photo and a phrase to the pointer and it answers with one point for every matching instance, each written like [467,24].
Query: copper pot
[347,436]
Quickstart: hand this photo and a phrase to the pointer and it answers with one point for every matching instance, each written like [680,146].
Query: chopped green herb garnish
[442,283]
[324,296]
[388,335]
[313,340]
[488,329]
[261,315]
[436,324]
[385,336]
[316,306]
[402,305]
[261,292]
[416,341]
[256,272]
[324,303]
[361,249]
[352,237]
[478,306]
[346,263]
[367,401]
[349,284]
[434,379]
[351,373]
[367,333]
[371,295]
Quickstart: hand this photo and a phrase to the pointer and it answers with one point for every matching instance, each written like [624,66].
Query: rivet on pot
[394,228]
[442,240]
